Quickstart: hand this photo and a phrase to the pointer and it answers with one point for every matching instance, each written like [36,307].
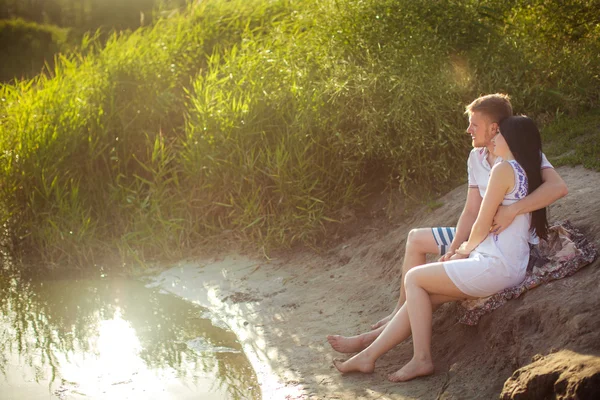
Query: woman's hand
[463,249]
[458,256]
[447,256]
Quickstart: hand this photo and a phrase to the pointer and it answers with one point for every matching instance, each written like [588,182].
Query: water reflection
[113,339]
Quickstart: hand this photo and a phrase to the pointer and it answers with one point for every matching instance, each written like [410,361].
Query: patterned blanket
[564,252]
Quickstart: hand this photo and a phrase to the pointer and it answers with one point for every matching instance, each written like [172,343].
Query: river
[114,339]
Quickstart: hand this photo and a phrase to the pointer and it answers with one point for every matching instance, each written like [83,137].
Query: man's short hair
[495,106]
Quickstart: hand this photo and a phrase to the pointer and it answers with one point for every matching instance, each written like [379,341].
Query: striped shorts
[443,237]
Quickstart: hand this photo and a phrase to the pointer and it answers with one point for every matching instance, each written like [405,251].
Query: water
[114,339]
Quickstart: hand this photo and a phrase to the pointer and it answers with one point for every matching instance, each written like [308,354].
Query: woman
[482,266]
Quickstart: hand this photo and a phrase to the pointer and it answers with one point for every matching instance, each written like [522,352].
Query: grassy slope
[267,121]
[574,140]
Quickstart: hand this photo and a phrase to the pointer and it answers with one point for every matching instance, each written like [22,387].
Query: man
[484,113]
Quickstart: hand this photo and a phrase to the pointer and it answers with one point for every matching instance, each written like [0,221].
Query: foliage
[266,121]
[87,15]
[33,33]
[574,140]
[547,52]
[28,48]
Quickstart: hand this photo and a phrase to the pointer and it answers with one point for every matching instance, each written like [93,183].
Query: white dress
[500,261]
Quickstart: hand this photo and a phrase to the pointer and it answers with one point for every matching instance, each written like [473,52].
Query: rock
[562,375]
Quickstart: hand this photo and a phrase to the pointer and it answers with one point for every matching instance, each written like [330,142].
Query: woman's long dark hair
[525,143]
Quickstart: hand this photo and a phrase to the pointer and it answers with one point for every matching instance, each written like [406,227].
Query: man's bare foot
[358,363]
[382,322]
[413,369]
[343,344]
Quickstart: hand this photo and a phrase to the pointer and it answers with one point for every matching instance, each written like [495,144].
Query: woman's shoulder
[503,167]
[502,173]
[508,165]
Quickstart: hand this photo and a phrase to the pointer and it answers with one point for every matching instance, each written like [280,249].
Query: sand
[283,308]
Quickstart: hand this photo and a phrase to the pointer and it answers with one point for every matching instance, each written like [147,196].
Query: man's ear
[494,127]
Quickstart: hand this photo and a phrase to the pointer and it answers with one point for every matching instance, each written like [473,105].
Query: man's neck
[491,158]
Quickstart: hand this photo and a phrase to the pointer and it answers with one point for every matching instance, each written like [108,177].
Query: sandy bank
[283,309]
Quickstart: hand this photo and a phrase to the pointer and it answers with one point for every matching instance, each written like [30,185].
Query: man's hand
[503,218]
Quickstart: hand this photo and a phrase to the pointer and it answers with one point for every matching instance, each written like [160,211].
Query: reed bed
[264,121]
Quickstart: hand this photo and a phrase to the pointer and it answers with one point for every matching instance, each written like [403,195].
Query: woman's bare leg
[419,243]
[354,344]
[420,283]
[393,333]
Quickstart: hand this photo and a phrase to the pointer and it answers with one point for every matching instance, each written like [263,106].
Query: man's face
[481,129]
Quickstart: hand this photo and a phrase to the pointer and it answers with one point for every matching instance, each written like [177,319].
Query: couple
[510,184]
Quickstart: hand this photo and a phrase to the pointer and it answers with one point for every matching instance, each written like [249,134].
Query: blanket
[565,251]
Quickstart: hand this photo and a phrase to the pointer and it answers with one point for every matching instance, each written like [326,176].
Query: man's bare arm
[465,222]
[553,187]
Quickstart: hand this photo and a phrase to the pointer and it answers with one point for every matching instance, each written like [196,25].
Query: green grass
[574,140]
[265,121]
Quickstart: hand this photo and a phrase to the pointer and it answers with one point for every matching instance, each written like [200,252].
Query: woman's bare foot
[358,363]
[382,322]
[413,369]
[343,344]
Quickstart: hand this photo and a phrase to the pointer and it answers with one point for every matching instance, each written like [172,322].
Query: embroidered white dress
[479,173]
[500,261]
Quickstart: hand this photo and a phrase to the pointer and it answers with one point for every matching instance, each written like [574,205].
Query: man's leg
[420,242]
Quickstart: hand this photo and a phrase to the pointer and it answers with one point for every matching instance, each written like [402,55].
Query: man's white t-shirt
[479,172]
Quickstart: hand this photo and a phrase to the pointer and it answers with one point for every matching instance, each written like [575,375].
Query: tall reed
[267,121]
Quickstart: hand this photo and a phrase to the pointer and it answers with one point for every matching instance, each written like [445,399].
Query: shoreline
[212,283]
[283,309]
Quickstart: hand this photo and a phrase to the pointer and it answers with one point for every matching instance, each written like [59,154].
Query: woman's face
[500,146]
